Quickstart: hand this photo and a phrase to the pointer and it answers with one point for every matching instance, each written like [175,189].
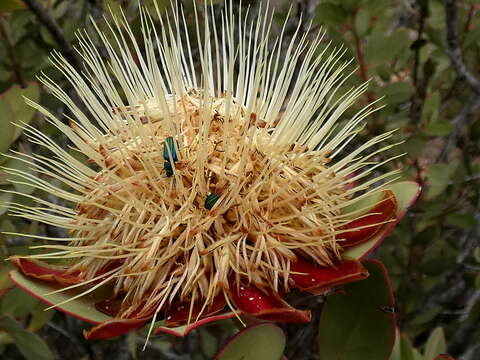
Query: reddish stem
[470,14]
[363,73]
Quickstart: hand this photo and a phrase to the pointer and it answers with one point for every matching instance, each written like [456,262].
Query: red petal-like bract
[316,279]
[43,271]
[109,306]
[186,329]
[178,314]
[370,224]
[250,300]
[113,328]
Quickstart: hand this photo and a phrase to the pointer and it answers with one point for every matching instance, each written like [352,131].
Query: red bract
[264,305]
[365,227]
[113,328]
[46,272]
[180,314]
[250,300]
[316,279]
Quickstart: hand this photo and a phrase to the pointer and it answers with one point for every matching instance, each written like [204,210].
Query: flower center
[185,202]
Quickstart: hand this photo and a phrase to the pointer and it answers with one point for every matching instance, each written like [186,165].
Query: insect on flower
[216,183]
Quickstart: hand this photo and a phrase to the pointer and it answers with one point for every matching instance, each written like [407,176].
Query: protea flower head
[217,178]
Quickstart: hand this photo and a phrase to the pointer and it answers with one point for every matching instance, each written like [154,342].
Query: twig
[453,47]
[68,336]
[455,54]
[49,22]
[302,339]
[451,284]
[16,66]
[472,353]
[459,122]
[452,93]
[420,85]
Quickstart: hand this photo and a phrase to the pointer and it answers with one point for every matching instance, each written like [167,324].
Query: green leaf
[6,225]
[436,344]
[4,199]
[383,70]
[426,316]
[403,349]
[348,5]
[7,129]
[17,303]
[113,8]
[477,281]
[414,146]
[29,344]
[60,9]
[39,317]
[407,351]
[262,341]
[362,22]
[162,5]
[47,36]
[17,164]
[397,92]
[437,16]
[15,97]
[330,14]
[208,342]
[4,339]
[5,282]
[431,107]
[471,37]
[439,128]
[381,49]
[476,254]
[439,176]
[132,344]
[357,324]
[376,6]
[464,221]
[19,24]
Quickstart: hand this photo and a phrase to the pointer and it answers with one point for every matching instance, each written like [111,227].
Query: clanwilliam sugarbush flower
[217,179]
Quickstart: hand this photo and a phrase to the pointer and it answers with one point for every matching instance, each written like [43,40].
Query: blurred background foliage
[431,91]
